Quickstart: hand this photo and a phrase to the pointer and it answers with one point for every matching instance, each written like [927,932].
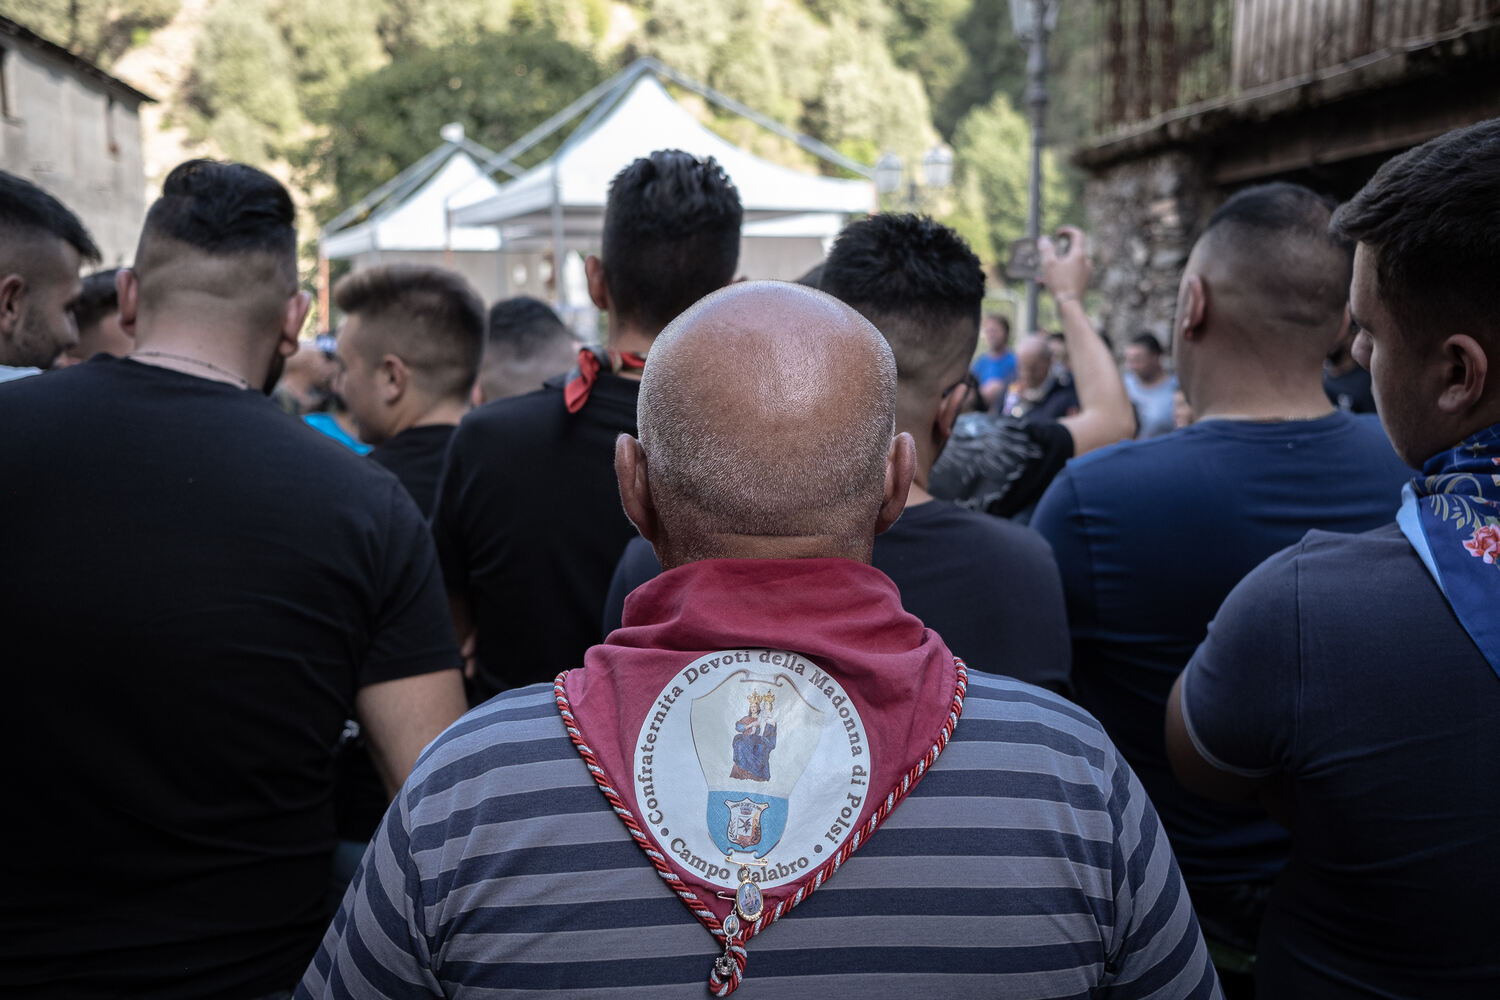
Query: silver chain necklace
[239,380]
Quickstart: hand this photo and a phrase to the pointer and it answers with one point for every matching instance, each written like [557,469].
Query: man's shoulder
[544,405]
[466,764]
[1125,457]
[1325,571]
[1035,716]
[944,526]
[1348,557]
[522,419]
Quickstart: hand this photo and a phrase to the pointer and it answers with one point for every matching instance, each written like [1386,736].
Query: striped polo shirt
[1027,863]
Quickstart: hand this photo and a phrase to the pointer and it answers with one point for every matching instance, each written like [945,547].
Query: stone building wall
[78,138]
[1144,215]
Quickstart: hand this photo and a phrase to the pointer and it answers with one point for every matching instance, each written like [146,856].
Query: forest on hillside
[340,95]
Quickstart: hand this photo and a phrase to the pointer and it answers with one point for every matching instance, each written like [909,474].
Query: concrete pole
[1036,104]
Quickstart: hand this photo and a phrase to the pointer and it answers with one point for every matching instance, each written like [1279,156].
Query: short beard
[32,343]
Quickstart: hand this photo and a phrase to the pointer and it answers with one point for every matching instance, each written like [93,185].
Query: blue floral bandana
[1451,516]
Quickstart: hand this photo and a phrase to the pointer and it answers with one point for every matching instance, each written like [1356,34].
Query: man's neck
[447,413]
[1246,386]
[726,546]
[192,350]
[1265,407]
[627,338]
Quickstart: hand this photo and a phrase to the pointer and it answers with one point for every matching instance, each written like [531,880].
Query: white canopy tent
[558,205]
[405,220]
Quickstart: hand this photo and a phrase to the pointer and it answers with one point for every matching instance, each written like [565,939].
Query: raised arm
[1104,412]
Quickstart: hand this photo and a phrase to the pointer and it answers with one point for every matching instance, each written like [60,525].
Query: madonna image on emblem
[754,736]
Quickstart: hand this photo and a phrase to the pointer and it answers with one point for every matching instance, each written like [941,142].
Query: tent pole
[323,324]
[559,289]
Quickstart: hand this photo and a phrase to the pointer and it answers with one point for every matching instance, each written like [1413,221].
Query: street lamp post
[937,173]
[1033,21]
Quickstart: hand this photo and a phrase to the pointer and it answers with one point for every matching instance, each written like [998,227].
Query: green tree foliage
[923,36]
[243,84]
[866,104]
[333,43]
[497,86]
[991,170]
[98,30]
[411,26]
[353,91]
[822,68]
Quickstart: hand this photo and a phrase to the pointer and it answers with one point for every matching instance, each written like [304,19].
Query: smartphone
[1025,261]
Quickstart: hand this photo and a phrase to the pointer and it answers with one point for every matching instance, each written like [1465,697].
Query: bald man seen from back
[1152,535]
[988,585]
[760,783]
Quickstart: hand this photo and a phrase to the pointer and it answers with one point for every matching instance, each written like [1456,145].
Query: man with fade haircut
[528,521]
[1352,682]
[1151,535]
[197,593]
[525,344]
[408,353]
[96,312]
[42,245]
[999,464]
[772,778]
[990,588]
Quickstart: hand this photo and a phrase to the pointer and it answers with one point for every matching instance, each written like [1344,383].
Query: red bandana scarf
[591,360]
[753,723]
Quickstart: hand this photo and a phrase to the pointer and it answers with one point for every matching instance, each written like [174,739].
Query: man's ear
[593,270]
[900,465]
[128,292]
[1193,308]
[635,488]
[12,304]
[293,316]
[1465,366]
[395,379]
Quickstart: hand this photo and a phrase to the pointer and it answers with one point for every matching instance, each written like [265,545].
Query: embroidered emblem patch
[751,754]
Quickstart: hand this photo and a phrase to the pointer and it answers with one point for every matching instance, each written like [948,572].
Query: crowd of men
[777,645]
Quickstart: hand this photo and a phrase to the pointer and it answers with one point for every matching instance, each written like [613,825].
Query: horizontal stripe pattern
[1027,863]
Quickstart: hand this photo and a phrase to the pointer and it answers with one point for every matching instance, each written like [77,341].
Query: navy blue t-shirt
[988,586]
[1339,666]
[1151,536]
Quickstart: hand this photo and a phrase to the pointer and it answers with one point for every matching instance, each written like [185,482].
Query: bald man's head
[1034,359]
[767,412]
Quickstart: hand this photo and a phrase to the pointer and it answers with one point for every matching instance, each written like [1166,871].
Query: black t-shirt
[988,586]
[416,457]
[999,465]
[529,526]
[193,586]
[1338,670]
